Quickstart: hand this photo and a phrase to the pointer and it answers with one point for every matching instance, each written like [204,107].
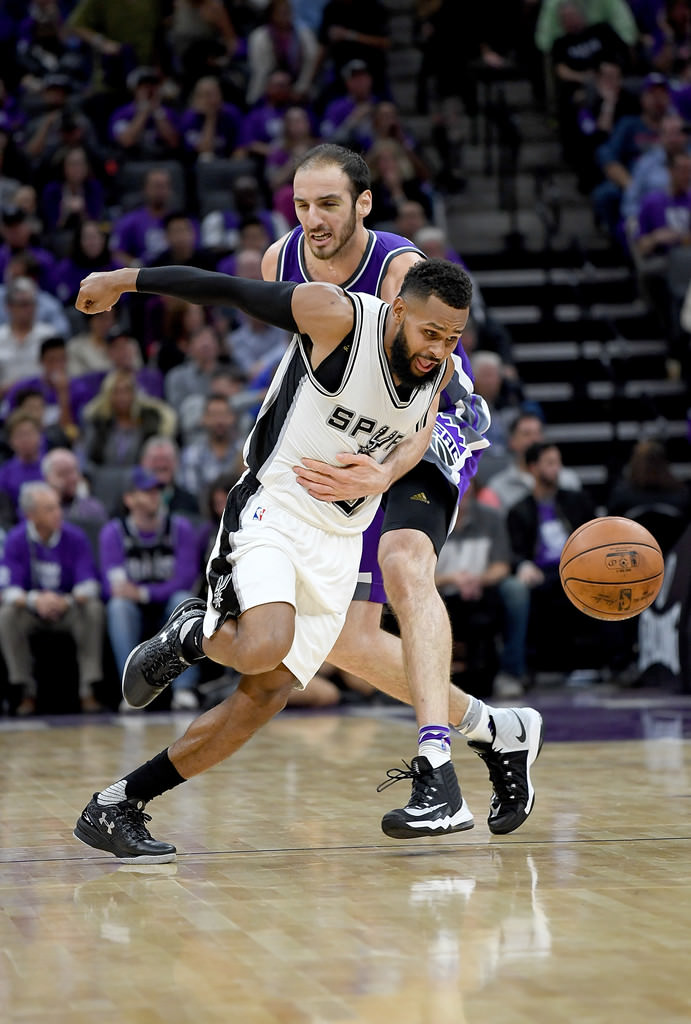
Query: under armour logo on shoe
[420,496]
[110,825]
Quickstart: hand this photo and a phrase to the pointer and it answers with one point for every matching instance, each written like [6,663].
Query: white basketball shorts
[263,554]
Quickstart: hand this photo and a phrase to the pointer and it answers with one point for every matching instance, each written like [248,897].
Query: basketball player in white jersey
[360,376]
[332,199]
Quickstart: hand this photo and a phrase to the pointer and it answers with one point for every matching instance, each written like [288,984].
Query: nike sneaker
[516,745]
[155,663]
[436,806]
[121,829]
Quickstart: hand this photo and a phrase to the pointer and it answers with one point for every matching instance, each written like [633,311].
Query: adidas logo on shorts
[420,496]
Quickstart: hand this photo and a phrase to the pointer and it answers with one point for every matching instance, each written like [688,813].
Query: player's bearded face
[403,363]
[340,235]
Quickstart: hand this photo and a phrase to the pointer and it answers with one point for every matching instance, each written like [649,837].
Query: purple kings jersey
[370,272]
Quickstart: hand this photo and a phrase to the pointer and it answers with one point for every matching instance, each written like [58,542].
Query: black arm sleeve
[269,301]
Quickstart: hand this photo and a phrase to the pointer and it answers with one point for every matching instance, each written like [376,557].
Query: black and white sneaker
[155,663]
[436,806]
[120,829]
[516,745]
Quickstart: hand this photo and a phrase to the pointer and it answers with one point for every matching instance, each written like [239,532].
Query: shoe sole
[531,789]
[405,830]
[88,840]
[153,691]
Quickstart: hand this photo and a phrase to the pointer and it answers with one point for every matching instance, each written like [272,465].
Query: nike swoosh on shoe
[521,738]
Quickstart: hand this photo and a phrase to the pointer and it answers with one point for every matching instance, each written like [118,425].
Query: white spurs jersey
[348,404]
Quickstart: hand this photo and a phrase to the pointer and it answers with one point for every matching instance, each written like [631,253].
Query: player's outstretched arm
[321,310]
[270,301]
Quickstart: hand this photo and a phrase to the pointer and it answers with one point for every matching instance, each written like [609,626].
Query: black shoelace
[163,666]
[507,785]
[423,790]
[133,822]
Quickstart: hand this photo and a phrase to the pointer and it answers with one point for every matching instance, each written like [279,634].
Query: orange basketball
[611,568]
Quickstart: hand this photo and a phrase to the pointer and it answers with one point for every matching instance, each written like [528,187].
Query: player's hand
[355,477]
[99,292]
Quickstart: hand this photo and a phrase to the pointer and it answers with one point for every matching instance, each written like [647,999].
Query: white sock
[114,794]
[476,723]
[436,753]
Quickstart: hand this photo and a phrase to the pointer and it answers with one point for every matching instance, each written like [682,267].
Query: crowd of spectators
[622,76]
[145,134]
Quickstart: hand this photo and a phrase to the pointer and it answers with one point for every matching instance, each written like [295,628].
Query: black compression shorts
[421,500]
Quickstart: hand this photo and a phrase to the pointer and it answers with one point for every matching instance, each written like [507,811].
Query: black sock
[192,641]
[153,778]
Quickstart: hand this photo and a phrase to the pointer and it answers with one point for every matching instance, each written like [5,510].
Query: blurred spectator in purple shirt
[122,353]
[263,124]
[664,219]
[662,244]
[210,127]
[393,181]
[226,229]
[283,43]
[283,157]
[16,228]
[28,445]
[139,236]
[11,115]
[61,470]
[145,129]
[57,127]
[14,166]
[88,253]
[671,46]
[52,586]
[148,563]
[54,385]
[348,119]
[77,197]
[182,249]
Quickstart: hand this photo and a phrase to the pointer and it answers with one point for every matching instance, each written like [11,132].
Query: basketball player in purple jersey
[332,198]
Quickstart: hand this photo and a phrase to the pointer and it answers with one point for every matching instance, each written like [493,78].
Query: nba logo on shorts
[259,513]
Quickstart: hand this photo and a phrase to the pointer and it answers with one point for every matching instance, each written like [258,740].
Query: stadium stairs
[585,346]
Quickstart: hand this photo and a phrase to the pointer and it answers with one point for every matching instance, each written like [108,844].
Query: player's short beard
[341,241]
[400,361]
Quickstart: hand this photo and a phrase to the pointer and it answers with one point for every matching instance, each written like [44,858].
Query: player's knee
[405,572]
[270,686]
[252,645]
[259,657]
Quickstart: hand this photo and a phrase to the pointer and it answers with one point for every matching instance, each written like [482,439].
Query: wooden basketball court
[288,905]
